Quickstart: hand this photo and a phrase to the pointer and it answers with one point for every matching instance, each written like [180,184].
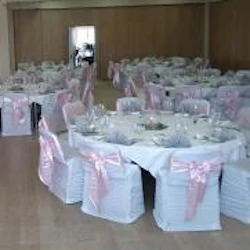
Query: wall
[4,43]
[230,36]
[122,32]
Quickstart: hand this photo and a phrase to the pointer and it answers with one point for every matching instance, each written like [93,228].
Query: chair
[228,102]
[16,115]
[130,90]
[190,91]
[64,174]
[148,76]
[62,98]
[70,111]
[46,163]
[187,192]
[74,89]
[112,188]
[186,92]
[154,95]
[235,190]
[87,96]
[110,72]
[128,104]
[197,107]
[211,72]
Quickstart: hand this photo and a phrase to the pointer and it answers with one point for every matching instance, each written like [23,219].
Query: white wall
[4,43]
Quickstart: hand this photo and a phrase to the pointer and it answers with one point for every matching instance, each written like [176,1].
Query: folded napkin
[177,140]
[84,127]
[223,135]
[117,137]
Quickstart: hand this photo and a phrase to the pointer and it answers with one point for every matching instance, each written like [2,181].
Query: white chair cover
[197,107]
[62,98]
[87,96]
[70,112]
[74,89]
[112,188]
[186,92]
[235,190]
[190,92]
[16,117]
[48,147]
[154,95]
[128,104]
[187,192]
[64,175]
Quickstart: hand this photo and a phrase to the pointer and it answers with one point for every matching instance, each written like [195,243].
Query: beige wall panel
[230,36]
[28,36]
[4,43]
[122,32]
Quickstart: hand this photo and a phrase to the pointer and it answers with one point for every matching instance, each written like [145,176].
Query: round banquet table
[147,150]
[35,94]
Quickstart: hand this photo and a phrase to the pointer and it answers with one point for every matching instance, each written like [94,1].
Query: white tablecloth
[152,157]
[47,101]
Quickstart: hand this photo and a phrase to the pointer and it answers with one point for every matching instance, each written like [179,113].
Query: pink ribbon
[19,116]
[130,90]
[197,180]
[232,105]
[153,98]
[99,178]
[91,74]
[63,98]
[88,98]
[49,148]
[138,79]
[46,161]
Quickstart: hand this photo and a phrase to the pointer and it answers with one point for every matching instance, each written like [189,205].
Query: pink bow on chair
[197,180]
[232,105]
[64,97]
[131,89]
[46,161]
[87,97]
[99,177]
[19,117]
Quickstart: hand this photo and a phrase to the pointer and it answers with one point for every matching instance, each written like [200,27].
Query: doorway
[82,41]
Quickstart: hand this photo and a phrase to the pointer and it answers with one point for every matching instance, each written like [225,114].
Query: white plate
[111,112]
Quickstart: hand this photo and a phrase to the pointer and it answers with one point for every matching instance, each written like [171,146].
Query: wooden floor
[31,218]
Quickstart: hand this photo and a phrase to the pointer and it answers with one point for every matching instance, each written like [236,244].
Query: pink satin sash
[99,178]
[198,173]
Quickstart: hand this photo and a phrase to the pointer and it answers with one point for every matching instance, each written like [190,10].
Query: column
[4,43]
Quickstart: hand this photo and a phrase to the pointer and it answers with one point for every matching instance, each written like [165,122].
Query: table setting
[147,137]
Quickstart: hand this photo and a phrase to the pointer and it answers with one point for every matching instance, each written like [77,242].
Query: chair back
[130,90]
[71,110]
[190,91]
[128,104]
[196,170]
[16,115]
[62,98]
[74,89]
[50,149]
[197,107]
[154,97]
[110,72]
[87,97]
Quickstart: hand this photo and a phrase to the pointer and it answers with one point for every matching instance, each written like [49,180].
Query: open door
[82,45]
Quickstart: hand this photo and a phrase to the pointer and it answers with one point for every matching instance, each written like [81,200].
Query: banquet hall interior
[125,125]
